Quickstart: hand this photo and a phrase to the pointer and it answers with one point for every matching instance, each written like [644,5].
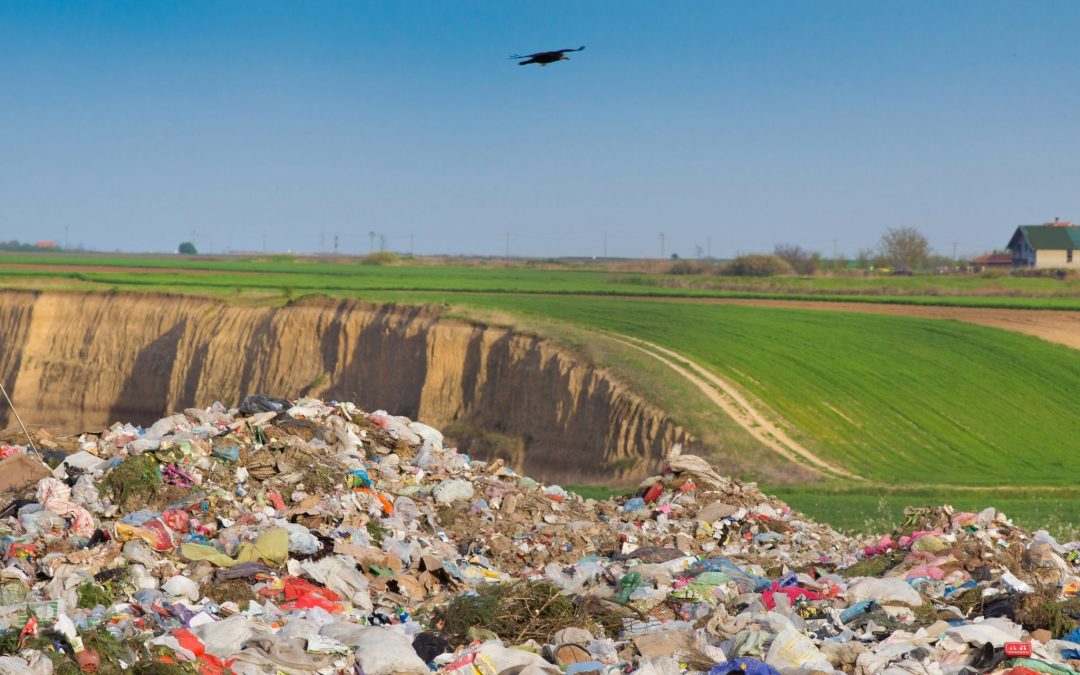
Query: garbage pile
[310,537]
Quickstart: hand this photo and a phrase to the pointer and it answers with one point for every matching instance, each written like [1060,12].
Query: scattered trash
[311,537]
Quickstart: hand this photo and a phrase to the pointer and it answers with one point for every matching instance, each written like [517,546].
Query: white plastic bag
[379,650]
[339,574]
[884,590]
[182,587]
[453,490]
[792,649]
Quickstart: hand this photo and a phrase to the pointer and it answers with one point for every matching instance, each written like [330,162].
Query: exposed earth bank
[84,361]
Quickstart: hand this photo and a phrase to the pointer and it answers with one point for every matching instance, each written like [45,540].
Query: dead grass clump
[1042,609]
[232,590]
[969,602]
[516,612]
[874,566]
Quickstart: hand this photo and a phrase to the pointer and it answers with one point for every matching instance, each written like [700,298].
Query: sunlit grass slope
[895,399]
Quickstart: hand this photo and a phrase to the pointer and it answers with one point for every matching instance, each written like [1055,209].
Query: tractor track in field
[730,401]
[728,398]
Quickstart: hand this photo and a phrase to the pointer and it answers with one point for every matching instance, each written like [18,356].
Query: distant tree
[674,256]
[688,267]
[801,260]
[756,265]
[905,247]
[187,248]
[865,258]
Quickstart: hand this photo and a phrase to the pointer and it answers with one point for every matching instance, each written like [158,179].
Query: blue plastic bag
[743,666]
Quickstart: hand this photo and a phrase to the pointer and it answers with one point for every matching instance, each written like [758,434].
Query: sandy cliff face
[85,361]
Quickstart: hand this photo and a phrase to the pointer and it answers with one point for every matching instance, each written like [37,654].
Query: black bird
[544,58]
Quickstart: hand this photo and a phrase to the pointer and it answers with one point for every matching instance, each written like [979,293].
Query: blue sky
[135,124]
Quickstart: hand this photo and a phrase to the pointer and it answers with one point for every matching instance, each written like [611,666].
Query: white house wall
[1056,259]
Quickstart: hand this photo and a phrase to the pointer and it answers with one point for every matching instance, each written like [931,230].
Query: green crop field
[868,511]
[895,399]
[298,276]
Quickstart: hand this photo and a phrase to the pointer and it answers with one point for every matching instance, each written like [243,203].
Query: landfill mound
[311,537]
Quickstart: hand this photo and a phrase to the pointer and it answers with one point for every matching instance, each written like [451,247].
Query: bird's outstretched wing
[557,51]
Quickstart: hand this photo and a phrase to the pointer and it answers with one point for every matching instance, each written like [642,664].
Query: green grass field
[913,404]
[896,399]
[298,276]
[873,511]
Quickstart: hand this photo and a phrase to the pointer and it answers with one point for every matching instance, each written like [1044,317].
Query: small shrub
[1042,274]
[757,265]
[801,260]
[687,267]
[380,258]
[92,594]
[376,531]
[133,481]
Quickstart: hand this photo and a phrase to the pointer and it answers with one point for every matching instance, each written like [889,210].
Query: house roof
[993,259]
[1056,237]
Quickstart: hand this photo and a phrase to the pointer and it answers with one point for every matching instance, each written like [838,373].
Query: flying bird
[544,58]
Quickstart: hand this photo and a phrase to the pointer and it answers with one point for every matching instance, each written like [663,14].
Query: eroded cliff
[83,361]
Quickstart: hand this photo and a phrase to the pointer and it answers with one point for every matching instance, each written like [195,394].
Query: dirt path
[726,397]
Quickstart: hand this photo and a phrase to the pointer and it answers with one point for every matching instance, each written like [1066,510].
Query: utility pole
[954,250]
[662,245]
[65,237]
[371,247]
[264,242]
[335,244]
[411,244]
[507,247]
[834,250]
[382,242]
[708,247]
[605,245]
[322,241]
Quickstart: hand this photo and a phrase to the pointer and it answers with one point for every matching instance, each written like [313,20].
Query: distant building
[1049,246]
[992,261]
[45,244]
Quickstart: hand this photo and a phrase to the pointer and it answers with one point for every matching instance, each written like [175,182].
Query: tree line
[900,249]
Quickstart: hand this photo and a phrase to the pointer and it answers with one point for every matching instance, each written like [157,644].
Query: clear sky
[134,124]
